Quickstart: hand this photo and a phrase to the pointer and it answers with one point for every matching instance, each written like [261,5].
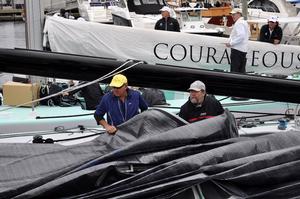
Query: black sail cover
[157,155]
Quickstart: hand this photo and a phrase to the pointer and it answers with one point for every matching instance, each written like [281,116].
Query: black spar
[78,67]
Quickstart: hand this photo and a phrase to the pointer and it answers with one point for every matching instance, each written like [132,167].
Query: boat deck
[248,113]
[11,14]
[23,119]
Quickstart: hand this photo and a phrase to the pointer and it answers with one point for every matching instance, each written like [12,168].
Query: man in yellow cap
[120,104]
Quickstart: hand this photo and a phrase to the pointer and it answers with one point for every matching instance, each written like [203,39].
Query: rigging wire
[264,113]
[108,75]
[297,119]
[63,116]
[223,98]
[57,130]
[80,137]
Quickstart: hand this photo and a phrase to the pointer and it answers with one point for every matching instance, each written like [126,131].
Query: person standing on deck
[119,105]
[167,22]
[238,42]
[200,106]
[271,32]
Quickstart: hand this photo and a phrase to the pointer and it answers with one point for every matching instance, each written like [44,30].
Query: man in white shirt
[238,42]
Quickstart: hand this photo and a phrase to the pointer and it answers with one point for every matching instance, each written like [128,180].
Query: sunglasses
[117,87]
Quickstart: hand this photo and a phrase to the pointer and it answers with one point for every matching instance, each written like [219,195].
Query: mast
[34,20]
[245,9]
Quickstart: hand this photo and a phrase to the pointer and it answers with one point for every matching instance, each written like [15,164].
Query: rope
[110,74]
[56,130]
[81,137]
[251,112]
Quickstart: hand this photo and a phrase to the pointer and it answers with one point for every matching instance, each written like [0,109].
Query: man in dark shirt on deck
[200,106]
[271,32]
[167,22]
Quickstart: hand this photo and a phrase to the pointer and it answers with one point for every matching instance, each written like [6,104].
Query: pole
[245,9]
[33,24]
[34,21]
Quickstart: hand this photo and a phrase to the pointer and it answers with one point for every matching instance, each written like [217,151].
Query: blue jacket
[118,112]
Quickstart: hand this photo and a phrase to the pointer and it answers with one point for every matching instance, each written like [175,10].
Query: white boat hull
[161,47]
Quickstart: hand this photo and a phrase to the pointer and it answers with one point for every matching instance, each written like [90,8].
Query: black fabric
[153,96]
[238,61]
[45,163]
[210,107]
[92,95]
[155,155]
[265,35]
[50,89]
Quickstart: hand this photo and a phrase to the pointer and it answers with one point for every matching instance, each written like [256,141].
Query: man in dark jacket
[167,22]
[271,32]
[200,106]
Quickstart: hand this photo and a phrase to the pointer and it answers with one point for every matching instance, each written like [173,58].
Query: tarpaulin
[157,155]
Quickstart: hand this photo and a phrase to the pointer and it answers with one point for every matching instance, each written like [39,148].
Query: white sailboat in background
[258,12]
[288,17]
[96,10]
[258,9]
[290,27]
[144,14]
[191,21]
[137,14]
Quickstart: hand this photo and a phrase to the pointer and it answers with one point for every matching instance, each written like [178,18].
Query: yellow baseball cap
[118,81]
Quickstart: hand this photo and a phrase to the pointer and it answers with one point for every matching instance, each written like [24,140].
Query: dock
[11,14]
[15,12]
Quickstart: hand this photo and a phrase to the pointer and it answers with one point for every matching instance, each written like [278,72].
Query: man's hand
[111,129]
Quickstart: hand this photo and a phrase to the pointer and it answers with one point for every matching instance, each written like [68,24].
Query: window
[265,5]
